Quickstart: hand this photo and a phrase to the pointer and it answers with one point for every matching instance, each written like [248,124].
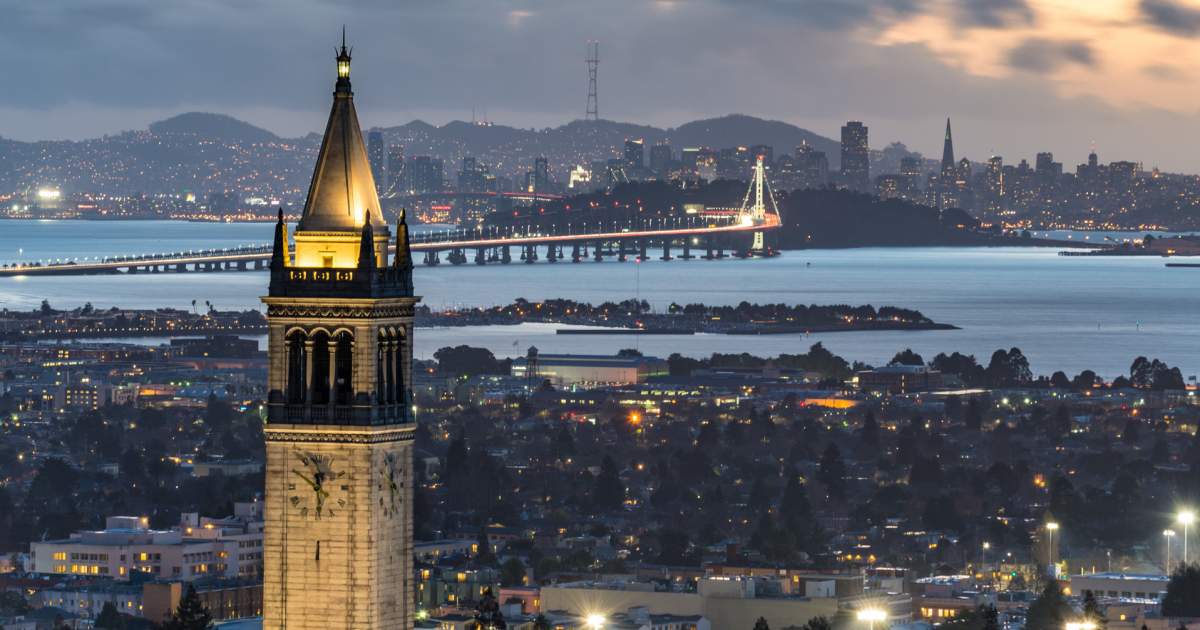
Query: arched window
[297,383]
[320,368]
[381,356]
[343,370]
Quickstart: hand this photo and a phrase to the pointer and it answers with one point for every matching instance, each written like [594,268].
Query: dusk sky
[1017,76]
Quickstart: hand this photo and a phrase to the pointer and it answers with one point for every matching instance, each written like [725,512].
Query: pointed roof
[342,192]
[948,149]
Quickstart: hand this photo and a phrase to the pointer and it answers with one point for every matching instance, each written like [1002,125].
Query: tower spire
[279,251]
[403,259]
[948,150]
[342,193]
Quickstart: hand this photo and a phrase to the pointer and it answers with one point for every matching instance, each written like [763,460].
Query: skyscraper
[538,180]
[661,158]
[375,155]
[395,169]
[338,536]
[812,167]
[948,174]
[425,174]
[856,158]
[635,153]
[994,182]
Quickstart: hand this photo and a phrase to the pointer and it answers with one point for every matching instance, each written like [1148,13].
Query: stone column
[309,382]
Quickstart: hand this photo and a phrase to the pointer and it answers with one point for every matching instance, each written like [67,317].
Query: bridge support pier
[180,268]
[552,253]
[598,248]
[621,251]
[431,258]
[666,249]
[480,256]
[642,257]
[575,253]
[708,247]
[258,265]
[529,255]
[687,249]
[241,265]
[506,255]
[456,257]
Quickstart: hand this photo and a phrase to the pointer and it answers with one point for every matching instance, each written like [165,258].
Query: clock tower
[338,543]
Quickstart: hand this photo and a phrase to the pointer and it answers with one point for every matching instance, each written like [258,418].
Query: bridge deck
[418,245]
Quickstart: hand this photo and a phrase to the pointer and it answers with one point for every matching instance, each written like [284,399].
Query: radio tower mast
[593,62]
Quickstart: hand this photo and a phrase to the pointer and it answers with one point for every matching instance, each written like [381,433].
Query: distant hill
[206,153]
[213,127]
[581,140]
[741,130]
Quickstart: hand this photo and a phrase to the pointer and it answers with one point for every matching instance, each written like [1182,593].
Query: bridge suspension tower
[755,206]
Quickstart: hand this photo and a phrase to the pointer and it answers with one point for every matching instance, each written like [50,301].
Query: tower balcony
[353,282]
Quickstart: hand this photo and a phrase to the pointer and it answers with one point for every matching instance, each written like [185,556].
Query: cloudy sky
[1017,76]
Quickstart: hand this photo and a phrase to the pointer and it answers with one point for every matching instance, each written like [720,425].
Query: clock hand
[315,485]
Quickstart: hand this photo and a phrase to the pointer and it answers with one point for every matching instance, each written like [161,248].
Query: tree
[512,572]
[1050,610]
[820,622]
[609,493]
[870,430]
[464,359]
[109,618]
[974,416]
[907,357]
[761,624]
[487,613]
[13,603]
[832,471]
[484,555]
[191,613]
[1008,369]
[1091,610]
[1183,593]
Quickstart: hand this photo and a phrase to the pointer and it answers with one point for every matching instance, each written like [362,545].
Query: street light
[1168,534]
[1051,527]
[871,615]
[595,620]
[1186,518]
[1081,625]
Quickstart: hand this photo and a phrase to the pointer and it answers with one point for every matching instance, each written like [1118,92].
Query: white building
[1138,587]
[197,547]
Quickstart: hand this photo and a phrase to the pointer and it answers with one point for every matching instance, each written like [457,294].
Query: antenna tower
[593,62]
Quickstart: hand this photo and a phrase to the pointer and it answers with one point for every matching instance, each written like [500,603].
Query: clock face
[316,491]
[390,482]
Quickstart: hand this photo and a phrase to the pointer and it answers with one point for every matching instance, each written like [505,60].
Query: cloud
[1041,55]
[1163,72]
[833,15]
[994,13]
[1171,16]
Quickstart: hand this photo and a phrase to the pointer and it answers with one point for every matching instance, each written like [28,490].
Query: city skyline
[1022,76]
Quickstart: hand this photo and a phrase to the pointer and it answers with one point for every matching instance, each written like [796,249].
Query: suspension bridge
[708,235]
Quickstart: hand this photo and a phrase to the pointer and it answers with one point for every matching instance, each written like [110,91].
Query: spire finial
[343,59]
